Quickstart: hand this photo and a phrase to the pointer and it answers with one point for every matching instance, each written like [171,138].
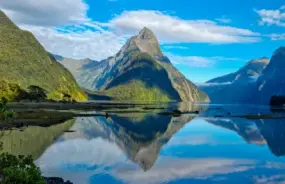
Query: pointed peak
[146,33]
[280,49]
[262,60]
[147,42]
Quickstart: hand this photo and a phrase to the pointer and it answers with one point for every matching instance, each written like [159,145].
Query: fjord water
[221,144]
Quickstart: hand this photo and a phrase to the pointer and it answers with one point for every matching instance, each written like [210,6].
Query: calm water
[219,145]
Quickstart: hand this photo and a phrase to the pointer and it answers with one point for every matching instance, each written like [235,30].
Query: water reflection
[148,148]
[216,146]
[270,132]
[32,140]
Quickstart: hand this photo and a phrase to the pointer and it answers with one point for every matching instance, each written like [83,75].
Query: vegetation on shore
[137,90]
[19,169]
[5,113]
[13,92]
[277,100]
[24,63]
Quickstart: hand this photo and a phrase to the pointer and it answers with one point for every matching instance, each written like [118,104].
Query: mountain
[139,71]
[268,132]
[272,80]
[76,67]
[139,136]
[236,87]
[247,129]
[33,140]
[24,62]
[251,71]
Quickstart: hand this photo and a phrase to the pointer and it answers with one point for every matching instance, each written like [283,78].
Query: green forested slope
[25,62]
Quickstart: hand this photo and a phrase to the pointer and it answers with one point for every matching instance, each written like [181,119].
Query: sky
[203,38]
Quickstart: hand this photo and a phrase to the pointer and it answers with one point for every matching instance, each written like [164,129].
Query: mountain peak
[147,42]
[277,59]
[264,60]
[146,33]
[280,50]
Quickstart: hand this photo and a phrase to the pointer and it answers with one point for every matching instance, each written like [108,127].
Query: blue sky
[203,38]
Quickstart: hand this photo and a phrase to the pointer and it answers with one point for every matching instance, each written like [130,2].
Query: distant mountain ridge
[140,137]
[272,80]
[255,83]
[237,87]
[251,70]
[268,132]
[139,71]
[24,62]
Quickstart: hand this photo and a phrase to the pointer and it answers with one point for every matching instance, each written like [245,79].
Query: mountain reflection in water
[220,145]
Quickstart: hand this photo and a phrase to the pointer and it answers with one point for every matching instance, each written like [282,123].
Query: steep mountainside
[250,71]
[272,80]
[139,136]
[25,62]
[268,132]
[139,71]
[236,87]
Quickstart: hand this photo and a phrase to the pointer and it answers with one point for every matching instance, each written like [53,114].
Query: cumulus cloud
[276,36]
[73,43]
[173,46]
[198,61]
[173,29]
[45,12]
[79,160]
[272,17]
[63,28]
[275,179]
[224,20]
[213,84]
[183,168]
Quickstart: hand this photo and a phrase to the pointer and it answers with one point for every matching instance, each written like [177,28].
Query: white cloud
[173,46]
[169,169]
[86,43]
[213,84]
[63,28]
[224,20]
[45,12]
[172,29]
[198,61]
[97,156]
[276,36]
[274,179]
[272,17]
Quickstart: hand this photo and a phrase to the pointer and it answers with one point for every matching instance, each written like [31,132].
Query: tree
[3,105]
[66,97]
[37,93]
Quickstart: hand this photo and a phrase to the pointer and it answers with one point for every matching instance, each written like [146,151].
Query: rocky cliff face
[237,87]
[251,71]
[268,132]
[139,71]
[25,62]
[272,80]
[139,136]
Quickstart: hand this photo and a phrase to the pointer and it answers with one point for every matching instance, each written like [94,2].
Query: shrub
[19,170]
[5,113]
[37,93]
